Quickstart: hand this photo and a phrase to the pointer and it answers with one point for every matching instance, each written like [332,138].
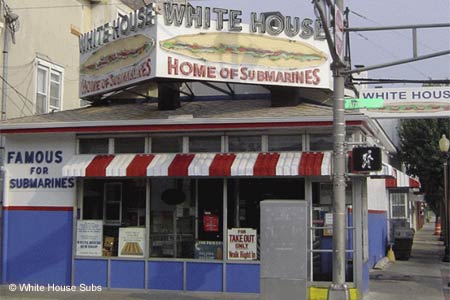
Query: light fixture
[444,144]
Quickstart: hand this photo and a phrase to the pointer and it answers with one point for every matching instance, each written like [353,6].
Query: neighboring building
[43,60]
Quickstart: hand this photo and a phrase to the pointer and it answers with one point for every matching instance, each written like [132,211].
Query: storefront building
[173,203]
[152,195]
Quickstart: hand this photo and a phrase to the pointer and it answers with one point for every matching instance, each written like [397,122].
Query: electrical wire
[15,90]
[390,53]
[21,108]
[393,81]
[64,6]
[394,31]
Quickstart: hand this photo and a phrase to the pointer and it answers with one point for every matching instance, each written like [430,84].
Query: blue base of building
[37,247]
[378,236]
[168,275]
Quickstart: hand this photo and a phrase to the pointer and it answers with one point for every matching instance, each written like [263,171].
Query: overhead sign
[366,159]
[363,103]
[410,102]
[183,42]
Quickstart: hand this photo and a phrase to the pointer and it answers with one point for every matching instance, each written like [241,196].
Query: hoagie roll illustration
[251,49]
[118,54]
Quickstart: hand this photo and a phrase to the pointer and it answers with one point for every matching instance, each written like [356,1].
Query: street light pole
[338,290]
[444,145]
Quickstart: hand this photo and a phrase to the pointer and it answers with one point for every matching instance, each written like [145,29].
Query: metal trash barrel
[403,242]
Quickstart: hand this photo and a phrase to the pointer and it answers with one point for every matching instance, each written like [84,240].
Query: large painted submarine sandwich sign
[185,43]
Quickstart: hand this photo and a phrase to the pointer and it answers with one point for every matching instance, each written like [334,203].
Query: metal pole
[399,27]
[2,141]
[338,290]
[445,215]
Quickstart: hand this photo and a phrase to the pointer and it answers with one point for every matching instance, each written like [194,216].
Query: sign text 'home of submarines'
[40,169]
[200,18]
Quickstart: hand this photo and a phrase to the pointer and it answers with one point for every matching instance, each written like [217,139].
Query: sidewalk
[417,278]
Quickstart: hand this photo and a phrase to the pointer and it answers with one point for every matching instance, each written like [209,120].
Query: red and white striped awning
[200,164]
[402,180]
[387,171]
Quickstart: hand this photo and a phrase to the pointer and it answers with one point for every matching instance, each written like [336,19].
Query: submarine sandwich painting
[234,48]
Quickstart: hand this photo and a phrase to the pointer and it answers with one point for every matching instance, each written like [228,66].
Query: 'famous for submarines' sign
[185,43]
[39,170]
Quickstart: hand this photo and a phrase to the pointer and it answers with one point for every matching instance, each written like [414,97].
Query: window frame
[50,69]
[404,198]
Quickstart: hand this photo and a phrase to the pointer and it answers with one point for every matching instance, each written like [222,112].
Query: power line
[393,81]
[394,32]
[15,90]
[63,6]
[390,53]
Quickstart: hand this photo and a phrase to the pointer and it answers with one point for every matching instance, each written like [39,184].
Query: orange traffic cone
[437,227]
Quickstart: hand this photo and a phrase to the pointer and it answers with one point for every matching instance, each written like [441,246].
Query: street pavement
[417,278]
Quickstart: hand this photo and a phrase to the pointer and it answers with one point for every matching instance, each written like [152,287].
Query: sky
[372,48]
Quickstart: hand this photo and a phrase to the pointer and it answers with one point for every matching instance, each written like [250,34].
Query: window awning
[200,164]
[387,171]
[402,180]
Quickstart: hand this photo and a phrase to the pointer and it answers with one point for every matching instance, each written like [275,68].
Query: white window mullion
[41,90]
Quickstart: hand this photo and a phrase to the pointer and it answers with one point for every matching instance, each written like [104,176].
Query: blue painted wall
[37,246]
[91,271]
[204,277]
[242,278]
[165,275]
[377,237]
[127,274]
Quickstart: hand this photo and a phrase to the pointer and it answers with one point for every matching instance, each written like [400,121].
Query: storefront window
[321,142]
[112,220]
[205,144]
[129,145]
[172,218]
[167,144]
[244,143]
[285,143]
[93,146]
[209,243]
[175,203]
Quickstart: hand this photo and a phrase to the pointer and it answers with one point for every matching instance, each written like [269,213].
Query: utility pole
[338,289]
[10,26]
